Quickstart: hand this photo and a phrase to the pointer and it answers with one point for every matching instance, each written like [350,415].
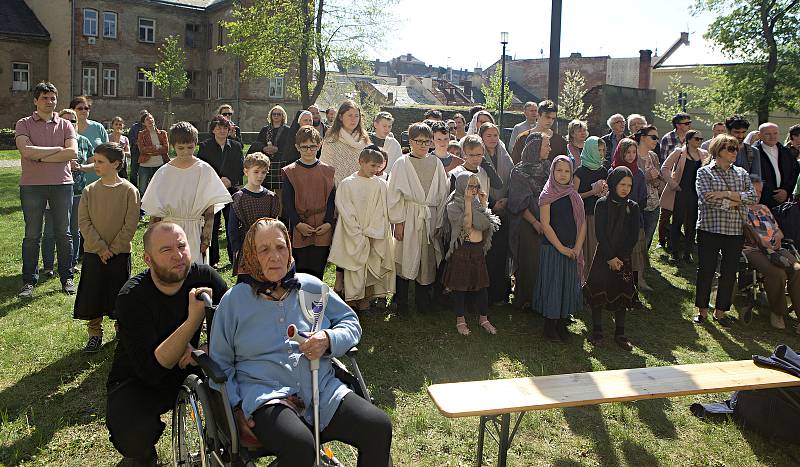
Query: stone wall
[607,100]
[19,104]
[405,116]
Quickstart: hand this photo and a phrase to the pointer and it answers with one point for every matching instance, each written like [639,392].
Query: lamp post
[504,41]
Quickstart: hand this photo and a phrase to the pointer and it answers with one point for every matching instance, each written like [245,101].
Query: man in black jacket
[159,318]
[779,168]
[616,123]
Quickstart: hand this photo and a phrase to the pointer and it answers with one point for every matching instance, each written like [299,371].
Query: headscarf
[553,191]
[530,164]
[619,160]
[250,271]
[482,218]
[590,155]
[618,207]
[473,125]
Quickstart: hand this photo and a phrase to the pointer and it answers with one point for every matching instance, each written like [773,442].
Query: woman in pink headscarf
[558,287]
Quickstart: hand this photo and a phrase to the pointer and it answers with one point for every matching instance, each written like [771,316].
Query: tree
[571,105]
[273,37]
[763,35]
[672,100]
[719,97]
[492,92]
[169,75]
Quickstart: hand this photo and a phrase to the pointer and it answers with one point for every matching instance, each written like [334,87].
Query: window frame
[116,24]
[273,83]
[115,80]
[220,84]
[141,78]
[209,85]
[152,28]
[87,20]
[86,89]
[27,73]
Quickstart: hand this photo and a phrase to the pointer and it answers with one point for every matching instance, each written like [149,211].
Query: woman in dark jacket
[273,140]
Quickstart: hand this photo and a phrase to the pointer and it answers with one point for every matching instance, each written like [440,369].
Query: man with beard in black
[159,315]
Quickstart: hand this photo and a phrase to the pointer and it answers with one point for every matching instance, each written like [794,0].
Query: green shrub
[7,139]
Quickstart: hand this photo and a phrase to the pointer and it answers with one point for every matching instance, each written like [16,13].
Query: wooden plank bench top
[503,396]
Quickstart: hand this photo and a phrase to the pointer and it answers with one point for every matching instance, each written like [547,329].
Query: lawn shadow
[57,396]
[766,449]
[7,210]
[635,454]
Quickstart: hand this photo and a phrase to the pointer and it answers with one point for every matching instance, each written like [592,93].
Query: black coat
[227,162]
[789,170]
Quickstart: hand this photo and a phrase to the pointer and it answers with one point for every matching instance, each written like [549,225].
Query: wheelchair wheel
[189,422]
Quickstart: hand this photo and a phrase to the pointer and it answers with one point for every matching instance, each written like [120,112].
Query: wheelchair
[204,430]
[750,290]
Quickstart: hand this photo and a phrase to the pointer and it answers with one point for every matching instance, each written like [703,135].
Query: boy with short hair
[441,142]
[308,204]
[186,191]
[544,123]
[382,137]
[417,194]
[250,204]
[362,243]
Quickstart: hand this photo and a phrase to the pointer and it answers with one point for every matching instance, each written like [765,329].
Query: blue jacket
[250,345]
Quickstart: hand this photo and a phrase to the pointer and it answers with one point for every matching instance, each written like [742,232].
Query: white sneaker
[26,291]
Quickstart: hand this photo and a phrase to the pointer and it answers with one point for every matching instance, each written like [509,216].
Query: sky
[466,33]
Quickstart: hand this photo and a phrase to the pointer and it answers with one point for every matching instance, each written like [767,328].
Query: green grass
[52,396]
[9,154]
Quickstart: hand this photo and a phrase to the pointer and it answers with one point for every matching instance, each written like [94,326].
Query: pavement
[4,164]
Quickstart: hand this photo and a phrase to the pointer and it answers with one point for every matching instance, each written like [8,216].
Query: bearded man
[159,315]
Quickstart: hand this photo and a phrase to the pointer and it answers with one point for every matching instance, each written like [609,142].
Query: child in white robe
[418,189]
[186,191]
[362,242]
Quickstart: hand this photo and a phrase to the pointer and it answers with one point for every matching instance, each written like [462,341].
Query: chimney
[390,98]
[408,57]
[575,55]
[467,85]
[645,62]
[399,80]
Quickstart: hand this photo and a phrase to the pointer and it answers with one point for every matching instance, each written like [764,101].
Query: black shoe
[596,338]
[68,287]
[623,343]
[725,321]
[562,331]
[47,274]
[688,258]
[550,331]
[94,344]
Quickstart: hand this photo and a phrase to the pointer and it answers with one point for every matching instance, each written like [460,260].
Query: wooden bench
[493,399]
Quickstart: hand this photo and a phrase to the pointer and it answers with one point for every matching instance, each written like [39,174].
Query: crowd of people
[462,217]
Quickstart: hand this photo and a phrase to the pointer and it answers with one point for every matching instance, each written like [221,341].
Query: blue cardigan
[248,341]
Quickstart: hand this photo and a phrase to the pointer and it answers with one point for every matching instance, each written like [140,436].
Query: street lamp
[504,41]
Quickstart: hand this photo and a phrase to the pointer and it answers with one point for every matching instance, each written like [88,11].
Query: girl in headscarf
[558,288]
[479,119]
[472,225]
[626,155]
[527,181]
[611,283]
[590,181]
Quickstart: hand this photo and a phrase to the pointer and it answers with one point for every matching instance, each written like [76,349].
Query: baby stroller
[204,430]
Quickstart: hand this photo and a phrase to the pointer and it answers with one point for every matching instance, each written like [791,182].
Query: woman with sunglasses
[227,111]
[647,139]
[272,140]
[92,130]
[723,192]
[680,172]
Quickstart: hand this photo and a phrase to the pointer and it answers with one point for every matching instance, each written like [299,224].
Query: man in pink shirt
[48,145]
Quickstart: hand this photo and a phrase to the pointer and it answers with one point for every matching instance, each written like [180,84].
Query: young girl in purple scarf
[558,286]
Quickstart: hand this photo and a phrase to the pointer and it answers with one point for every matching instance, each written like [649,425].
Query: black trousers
[133,417]
[709,246]
[134,172]
[477,301]
[497,266]
[213,254]
[423,294]
[311,259]
[684,215]
[356,422]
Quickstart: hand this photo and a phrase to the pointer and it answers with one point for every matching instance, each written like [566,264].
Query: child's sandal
[461,325]
[483,321]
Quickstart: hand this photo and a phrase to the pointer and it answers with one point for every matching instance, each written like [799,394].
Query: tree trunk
[770,82]
[168,115]
[320,53]
[304,62]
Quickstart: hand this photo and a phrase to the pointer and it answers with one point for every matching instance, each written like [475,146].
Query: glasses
[474,187]
[653,137]
[73,121]
[228,114]
[422,142]
[697,138]
[88,107]
[685,123]
[275,114]
[730,148]
[312,147]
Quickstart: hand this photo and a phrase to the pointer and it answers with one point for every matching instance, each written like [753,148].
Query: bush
[7,139]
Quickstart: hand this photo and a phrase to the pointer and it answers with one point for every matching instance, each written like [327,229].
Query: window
[276,87]
[192,76]
[144,87]
[109,82]
[210,84]
[219,84]
[89,22]
[147,30]
[192,36]
[210,36]
[220,35]
[89,81]
[21,73]
[109,24]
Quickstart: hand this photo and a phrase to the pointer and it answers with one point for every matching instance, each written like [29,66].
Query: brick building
[100,46]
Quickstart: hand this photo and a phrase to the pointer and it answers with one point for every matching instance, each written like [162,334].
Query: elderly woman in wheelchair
[269,376]
[772,256]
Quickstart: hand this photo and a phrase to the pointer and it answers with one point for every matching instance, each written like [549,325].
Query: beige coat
[672,172]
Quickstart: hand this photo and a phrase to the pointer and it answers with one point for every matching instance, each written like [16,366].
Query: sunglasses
[73,121]
[685,123]
[653,137]
[730,148]
[83,108]
[275,115]
[228,114]
[474,186]
[697,138]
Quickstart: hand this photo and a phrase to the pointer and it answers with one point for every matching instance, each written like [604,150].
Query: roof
[403,95]
[17,19]
[521,93]
[195,4]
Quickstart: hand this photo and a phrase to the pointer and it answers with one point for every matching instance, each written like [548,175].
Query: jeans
[49,239]
[33,199]
[650,224]
[145,174]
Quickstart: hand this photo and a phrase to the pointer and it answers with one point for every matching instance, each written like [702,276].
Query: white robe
[182,195]
[362,242]
[421,213]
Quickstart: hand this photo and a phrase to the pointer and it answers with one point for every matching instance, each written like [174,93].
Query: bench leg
[481,436]
[503,440]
